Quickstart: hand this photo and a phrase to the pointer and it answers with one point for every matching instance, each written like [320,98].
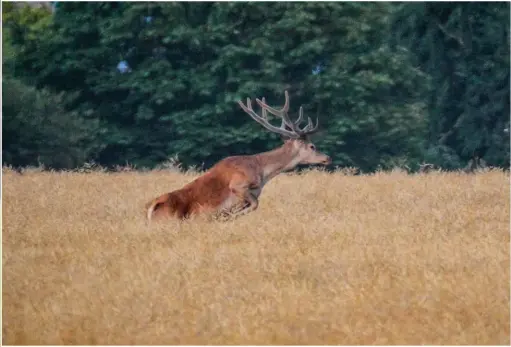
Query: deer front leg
[251,204]
[248,200]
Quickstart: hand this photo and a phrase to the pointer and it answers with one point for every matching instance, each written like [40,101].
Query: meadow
[387,258]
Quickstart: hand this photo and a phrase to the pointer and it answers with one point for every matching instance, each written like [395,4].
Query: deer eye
[311,146]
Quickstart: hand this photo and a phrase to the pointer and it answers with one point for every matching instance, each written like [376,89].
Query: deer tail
[173,204]
[150,208]
[152,205]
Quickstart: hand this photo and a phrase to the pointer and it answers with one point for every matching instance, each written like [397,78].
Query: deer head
[294,136]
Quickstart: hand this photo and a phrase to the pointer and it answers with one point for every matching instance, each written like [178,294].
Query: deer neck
[278,160]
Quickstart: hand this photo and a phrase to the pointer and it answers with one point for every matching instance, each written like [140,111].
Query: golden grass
[388,258]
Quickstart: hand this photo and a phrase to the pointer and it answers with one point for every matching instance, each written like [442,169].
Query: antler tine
[315,128]
[263,120]
[263,111]
[282,113]
[279,113]
[310,128]
[300,117]
[285,108]
[283,124]
[294,132]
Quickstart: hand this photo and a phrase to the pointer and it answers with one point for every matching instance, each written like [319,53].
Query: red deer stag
[233,185]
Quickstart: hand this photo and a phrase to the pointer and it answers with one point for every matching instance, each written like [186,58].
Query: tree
[38,128]
[164,78]
[464,47]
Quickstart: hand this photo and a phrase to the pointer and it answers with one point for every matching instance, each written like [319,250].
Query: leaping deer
[234,184]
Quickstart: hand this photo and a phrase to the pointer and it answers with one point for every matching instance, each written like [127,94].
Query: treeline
[392,84]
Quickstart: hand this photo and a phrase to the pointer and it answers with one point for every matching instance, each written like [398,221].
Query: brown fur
[239,178]
[234,184]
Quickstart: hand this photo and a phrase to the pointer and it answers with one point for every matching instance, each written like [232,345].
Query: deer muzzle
[327,160]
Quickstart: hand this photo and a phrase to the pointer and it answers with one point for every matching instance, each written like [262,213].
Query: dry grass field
[388,258]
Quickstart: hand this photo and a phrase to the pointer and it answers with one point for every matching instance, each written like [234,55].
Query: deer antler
[295,131]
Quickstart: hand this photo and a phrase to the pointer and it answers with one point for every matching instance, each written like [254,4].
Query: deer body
[234,184]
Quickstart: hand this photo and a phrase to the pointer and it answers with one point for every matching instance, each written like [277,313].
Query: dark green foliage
[38,130]
[163,78]
[464,47]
